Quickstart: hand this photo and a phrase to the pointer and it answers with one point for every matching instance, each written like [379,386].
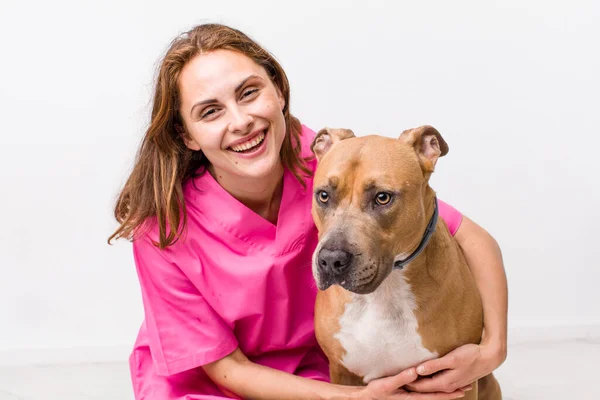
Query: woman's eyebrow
[237,89]
[242,83]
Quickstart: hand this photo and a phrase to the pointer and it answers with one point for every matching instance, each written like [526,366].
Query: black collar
[426,236]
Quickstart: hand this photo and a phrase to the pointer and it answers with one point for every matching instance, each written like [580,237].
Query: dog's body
[372,208]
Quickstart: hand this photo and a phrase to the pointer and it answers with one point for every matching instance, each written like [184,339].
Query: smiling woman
[195,101]
[236,119]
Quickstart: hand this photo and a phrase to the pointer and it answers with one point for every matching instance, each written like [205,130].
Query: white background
[512,85]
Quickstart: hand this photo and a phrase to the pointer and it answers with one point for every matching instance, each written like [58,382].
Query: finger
[466,388]
[392,383]
[438,383]
[433,366]
[435,396]
[426,385]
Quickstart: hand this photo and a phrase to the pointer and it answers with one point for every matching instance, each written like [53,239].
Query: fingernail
[421,369]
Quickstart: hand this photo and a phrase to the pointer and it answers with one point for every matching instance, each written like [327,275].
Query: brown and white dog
[394,287]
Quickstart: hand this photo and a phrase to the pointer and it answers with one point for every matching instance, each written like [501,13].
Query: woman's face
[233,113]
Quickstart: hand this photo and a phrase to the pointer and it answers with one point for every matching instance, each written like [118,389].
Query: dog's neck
[430,266]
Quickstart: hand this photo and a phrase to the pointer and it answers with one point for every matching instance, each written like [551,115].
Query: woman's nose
[240,120]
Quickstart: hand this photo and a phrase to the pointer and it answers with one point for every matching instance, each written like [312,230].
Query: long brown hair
[163,162]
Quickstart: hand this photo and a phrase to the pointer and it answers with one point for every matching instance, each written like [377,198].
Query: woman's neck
[261,195]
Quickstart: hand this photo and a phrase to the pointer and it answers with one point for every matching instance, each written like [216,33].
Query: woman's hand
[457,369]
[392,388]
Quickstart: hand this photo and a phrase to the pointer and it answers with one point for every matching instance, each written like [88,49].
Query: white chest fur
[379,331]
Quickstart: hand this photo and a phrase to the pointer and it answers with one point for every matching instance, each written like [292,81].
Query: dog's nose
[334,261]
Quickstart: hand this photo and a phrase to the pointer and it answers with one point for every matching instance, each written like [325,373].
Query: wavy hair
[163,162]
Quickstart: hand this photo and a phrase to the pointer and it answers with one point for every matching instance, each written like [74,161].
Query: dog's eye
[323,196]
[383,198]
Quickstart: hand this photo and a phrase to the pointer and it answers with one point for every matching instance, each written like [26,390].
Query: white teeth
[248,145]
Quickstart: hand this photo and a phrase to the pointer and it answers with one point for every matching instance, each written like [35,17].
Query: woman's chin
[264,171]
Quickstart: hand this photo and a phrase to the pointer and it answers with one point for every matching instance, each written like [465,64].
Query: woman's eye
[323,196]
[383,198]
[208,112]
[249,93]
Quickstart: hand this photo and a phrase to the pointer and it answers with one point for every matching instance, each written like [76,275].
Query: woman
[218,207]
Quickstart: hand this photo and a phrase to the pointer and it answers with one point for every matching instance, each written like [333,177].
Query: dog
[394,287]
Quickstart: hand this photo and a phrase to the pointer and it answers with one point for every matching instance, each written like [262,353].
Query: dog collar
[428,232]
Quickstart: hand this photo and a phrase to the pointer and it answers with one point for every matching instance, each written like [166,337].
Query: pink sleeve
[184,331]
[450,215]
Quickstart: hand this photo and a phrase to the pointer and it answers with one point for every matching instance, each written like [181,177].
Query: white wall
[513,87]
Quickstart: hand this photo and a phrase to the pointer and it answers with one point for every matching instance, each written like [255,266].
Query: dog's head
[368,203]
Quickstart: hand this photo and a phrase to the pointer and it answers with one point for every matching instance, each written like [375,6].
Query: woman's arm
[471,362]
[485,261]
[237,374]
[249,380]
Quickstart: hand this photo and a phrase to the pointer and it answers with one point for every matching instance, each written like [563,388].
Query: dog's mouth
[355,283]
[361,285]
[364,285]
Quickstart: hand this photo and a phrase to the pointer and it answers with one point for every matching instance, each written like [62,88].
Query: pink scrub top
[234,280]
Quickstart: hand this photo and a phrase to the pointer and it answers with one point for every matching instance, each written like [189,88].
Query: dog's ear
[326,138]
[428,144]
